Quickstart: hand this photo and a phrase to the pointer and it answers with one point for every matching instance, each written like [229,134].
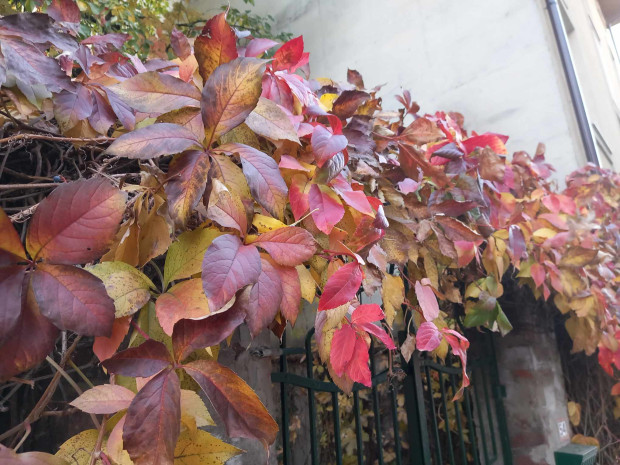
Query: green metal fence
[436,430]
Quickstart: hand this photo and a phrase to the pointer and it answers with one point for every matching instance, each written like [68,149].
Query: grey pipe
[571,79]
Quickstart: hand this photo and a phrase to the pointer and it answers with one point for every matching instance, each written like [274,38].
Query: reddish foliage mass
[257,187]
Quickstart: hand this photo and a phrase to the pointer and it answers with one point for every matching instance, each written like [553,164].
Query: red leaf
[191,335]
[154,92]
[153,421]
[327,210]
[263,176]
[290,246]
[325,144]
[73,299]
[180,44]
[291,292]
[357,368]
[494,141]
[216,45]
[427,300]
[348,102]
[289,55]
[265,298]
[298,195]
[428,337]
[76,223]
[153,140]
[20,351]
[104,399]
[341,287]
[258,46]
[64,11]
[148,359]
[9,239]
[243,413]
[615,389]
[183,300]
[456,230]
[367,313]
[187,178]
[459,345]
[121,109]
[538,274]
[105,347]
[343,345]
[290,163]
[11,284]
[227,267]
[353,198]
[379,333]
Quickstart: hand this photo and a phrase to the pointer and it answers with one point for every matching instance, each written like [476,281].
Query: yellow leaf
[327,101]
[77,449]
[585,440]
[184,257]
[154,229]
[543,234]
[202,448]
[242,134]
[308,285]
[393,294]
[193,406]
[574,413]
[127,286]
[264,223]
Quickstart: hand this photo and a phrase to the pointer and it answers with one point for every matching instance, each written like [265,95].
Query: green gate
[432,430]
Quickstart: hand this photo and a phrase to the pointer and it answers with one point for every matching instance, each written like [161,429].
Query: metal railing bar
[459,425]
[358,428]
[337,437]
[489,414]
[476,394]
[393,395]
[375,407]
[431,399]
[446,418]
[314,446]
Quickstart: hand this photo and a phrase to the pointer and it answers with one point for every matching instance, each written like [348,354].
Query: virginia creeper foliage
[259,188]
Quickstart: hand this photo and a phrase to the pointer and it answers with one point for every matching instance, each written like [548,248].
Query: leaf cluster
[256,187]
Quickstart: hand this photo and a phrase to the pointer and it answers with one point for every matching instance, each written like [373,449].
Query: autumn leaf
[201,448]
[11,288]
[148,359]
[9,240]
[428,337]
[154,92]
[190,335]
[263,176]
[104,398]
[288,246]
[291,292]
[325,144]
[187,179]
[152,423]
[256,47]
[105,347]
[269,120]
[226,208]
[237,266]
[153,140]
[184,257]
[9,457]
[73,299]
[68,231]
[264,299]
[427,300]
[230,93]
[127,286]
[26,351]
[183,300]
[216,45]
[341,287]
[326,208]
[299,195]
[239,407]
[289,55]
[393,295]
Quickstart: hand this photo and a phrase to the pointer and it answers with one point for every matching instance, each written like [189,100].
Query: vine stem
[34,185]
[97,451]
[38,409]
[26,136]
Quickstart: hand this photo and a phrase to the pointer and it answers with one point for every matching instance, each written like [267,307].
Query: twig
[140,330]
[38,409]
[81,374]
[94,140]
[23,439]
[34,185]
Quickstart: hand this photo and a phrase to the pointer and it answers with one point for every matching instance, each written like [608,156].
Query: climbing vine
[219,188]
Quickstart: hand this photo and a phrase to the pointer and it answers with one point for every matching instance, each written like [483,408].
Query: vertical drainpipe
[571,79]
